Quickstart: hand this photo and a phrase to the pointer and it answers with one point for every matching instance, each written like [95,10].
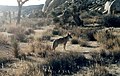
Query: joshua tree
[20,4]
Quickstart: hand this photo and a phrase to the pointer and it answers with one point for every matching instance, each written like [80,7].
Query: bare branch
[21,2]
[24,1]
[18,2]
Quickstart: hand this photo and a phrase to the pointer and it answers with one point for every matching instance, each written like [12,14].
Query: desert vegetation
[94,49]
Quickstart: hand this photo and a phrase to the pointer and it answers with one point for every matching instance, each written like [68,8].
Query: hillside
[25,10]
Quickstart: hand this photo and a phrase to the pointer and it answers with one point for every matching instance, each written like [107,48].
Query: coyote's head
[69,35]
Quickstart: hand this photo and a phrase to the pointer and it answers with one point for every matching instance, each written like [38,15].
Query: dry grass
[93,20]
[16,48]
[18,31]
[97,70]
[3,39]
[63,62]
[108,40]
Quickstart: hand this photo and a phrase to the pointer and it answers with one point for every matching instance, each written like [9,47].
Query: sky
[14,2]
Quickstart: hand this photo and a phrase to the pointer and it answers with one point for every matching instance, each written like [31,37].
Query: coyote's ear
[69,33]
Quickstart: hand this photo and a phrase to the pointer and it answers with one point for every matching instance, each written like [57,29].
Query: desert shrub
[55,32]
[56,20]
[46,37]
[3,39]
[80,31]
[29,31]
[90,35]
[97,70]
[21,37]
[14,29]
[18,32]
[65,64]
[83,43]
[58,30]
[74,41]
[2,29]
[38,45]
[85,33]
[110,56]
[107,39]
[111,21]
[16,48]
[78,64]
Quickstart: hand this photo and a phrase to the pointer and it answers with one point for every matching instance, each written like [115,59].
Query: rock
[112,6]
[50,4]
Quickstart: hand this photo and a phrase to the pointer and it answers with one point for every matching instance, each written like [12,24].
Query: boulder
[107,6]
[50,4]
[112,6]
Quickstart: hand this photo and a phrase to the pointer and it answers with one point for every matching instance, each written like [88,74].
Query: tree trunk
[10,16]
[19,14]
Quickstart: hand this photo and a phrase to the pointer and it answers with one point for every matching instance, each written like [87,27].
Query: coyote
[61,41]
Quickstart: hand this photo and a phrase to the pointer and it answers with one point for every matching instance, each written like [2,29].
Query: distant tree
[20,4]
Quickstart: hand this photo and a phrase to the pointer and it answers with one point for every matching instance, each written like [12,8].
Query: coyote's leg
[65,45]
[54,45]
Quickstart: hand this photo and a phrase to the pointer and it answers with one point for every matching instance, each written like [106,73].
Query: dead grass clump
[56,32]
[46,37]
[84,33]
[15,28]
[3,39]
[16,48]
[96,70]
[78,31]
[42,46]
[29,31]
[39,46]
[107,39]
[90,35]
[20,36]
[83,43]
[74,41]
[105,57]
[18,32]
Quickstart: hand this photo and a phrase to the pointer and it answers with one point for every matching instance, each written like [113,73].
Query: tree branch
[24,1]
[20,2]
